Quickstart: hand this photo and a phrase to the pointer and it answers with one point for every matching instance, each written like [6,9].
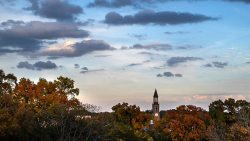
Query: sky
[191,51]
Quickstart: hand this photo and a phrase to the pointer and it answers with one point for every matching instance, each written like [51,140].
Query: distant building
[155,106]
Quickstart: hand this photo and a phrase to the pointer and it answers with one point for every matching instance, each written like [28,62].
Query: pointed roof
[155,94]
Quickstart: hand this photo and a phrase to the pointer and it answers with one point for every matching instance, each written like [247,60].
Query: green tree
[7,83]
[126,113]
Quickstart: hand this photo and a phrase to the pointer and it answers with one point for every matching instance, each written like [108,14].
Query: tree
[126,113]
[232,119]
[7,83]
[187,123]
[66,86]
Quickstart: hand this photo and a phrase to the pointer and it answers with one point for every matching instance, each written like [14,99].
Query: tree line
[50,111]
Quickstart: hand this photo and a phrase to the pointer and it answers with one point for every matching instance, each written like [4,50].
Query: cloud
[102,56]
[169,74]
[25,65]
[60,10]
[138,64]
[45,30]
[174,61]
[112,3]
[139,3]
[216,64]
[77,49]
[37,66]
[178,75]
[10,23]
[208,65]
[84,70]
[87,70]
[138,36]
[156,18]
[245,1]
[29,36]
[76,66]
[187,47]
[220,64]
[123,3]
[152,46]
[134,64]
[247,62]
[11,2]
[177,32]
[146,53]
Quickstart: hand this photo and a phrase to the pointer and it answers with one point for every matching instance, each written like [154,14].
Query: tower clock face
[156,114]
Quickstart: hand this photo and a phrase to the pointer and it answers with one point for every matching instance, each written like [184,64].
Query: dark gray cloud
[113,3]
[220,64]
[187,47]
[44,65]
[157,18]
[169,74]
[10,23]
[138,64]
[174,61]
[123,3]
[152,46]
[45,30]
[87,70]
[140,3]
[25,65]
[208,65]
[178,75]
[60,10]
[79,49]
[40,65]
[76,66]
[247,62]
[29,37]
[216,64]
[84,70]
[138,36]
[134,64]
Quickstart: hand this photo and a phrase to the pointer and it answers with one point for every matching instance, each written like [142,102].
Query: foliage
[232,120]
[187,123]
[50,111]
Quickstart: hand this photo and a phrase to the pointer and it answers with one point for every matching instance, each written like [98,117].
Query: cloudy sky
[192,51]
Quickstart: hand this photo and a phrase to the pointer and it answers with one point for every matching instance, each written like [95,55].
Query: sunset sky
[191,51]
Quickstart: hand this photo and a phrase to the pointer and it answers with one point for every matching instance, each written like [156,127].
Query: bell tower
[155,106]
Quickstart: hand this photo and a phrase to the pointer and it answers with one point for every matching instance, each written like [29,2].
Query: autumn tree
[186,123]
[44,110]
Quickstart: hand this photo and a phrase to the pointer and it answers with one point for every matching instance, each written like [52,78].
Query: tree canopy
[50,111]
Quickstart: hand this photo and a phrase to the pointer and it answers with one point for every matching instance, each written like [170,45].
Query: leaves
[50,110]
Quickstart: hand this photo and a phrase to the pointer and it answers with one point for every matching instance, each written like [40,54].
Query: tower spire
[156,106]
[155,94]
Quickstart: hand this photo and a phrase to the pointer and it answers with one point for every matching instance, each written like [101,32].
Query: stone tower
[155,106]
